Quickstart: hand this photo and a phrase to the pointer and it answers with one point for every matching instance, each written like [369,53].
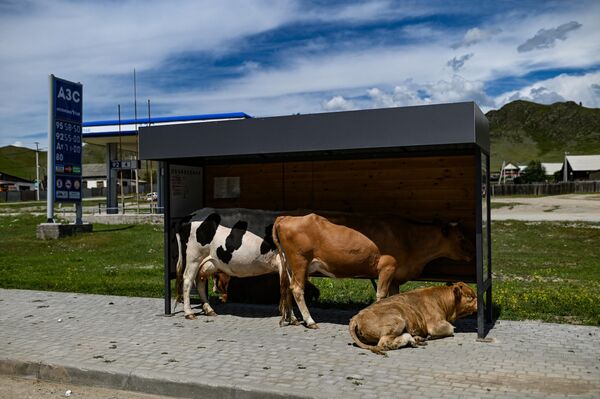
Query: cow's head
[456,245]
[221,285]
[465,299]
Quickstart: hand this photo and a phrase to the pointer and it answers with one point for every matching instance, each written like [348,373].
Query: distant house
[13,183]
[508,172]
[551,167]
[94,175]
[582,167]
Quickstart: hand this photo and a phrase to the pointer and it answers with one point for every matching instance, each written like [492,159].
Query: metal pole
[37,172]
[164,175]
[565,174]
[51,147]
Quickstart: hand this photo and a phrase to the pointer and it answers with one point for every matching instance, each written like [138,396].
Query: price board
[65,139]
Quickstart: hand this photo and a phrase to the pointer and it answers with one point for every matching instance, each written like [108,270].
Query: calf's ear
[445,230]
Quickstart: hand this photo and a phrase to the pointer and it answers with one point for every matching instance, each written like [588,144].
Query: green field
[548,271]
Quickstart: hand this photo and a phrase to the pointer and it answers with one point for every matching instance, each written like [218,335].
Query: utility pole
[565,174]
[37,171]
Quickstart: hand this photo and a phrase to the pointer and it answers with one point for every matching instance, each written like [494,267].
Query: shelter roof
[373,130]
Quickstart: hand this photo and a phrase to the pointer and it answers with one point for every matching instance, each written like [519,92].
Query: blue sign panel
[67,140]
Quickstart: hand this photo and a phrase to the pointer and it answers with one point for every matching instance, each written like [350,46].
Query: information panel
[67,140]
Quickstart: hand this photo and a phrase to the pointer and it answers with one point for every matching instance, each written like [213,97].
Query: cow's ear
[457,292]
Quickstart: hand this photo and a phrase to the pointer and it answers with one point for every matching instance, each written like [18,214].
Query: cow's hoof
[211,313]
[190,316]
[313,326]
[295,322]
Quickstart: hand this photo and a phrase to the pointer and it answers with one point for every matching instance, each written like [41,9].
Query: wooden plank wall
[423,188]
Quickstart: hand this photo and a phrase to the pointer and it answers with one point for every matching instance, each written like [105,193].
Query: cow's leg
[201,278]
[391,342]
[386,267]
[441,330]
[191,271]
[299,265]
[286,307]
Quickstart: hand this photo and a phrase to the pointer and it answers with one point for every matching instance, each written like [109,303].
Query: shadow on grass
[113,229]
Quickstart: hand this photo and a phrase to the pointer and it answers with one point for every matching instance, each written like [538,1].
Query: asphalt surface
[567,207]
[127,343]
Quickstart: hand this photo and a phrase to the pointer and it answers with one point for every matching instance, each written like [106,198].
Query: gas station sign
[65,139]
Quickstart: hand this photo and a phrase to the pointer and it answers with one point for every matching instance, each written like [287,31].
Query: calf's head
[456,245]
[465,299]
[221,285]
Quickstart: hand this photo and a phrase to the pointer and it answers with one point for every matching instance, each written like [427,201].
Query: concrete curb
[132,382]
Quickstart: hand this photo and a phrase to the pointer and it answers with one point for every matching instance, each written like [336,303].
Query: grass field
[548,271]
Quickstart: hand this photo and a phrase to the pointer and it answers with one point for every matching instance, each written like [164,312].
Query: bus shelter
[421,162]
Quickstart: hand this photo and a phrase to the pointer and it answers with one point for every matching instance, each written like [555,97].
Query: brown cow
[388,248]
[412,317]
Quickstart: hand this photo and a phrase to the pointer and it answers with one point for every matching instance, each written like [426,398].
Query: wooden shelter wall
[423,188]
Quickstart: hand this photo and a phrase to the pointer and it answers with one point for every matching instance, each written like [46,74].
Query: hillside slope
[523,131]
[20,161]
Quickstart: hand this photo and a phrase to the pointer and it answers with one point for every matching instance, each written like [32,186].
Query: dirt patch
[526,383]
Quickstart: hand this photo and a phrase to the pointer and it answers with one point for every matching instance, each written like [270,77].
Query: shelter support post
[164,178]
[483,243]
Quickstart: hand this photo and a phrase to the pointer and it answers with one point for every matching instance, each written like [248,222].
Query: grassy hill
[523,131]
[20,161]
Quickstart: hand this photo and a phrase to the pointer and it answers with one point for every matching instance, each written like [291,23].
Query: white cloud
[100,43]
[18,144]
[337,103]
[476,35]
[565,87]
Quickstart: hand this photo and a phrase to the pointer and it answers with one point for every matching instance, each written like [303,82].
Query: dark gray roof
[388,128]
[93,170]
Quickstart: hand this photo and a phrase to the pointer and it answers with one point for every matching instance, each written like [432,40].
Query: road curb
[132,382]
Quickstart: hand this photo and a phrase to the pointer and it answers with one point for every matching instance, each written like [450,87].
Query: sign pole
[51,146]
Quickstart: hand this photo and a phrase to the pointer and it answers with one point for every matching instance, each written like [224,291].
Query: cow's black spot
[207,229]
[233,241]
[268,244]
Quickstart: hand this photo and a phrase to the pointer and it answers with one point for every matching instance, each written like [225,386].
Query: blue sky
[282,57]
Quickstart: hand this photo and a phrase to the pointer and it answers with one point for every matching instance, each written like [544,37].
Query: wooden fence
[546,188]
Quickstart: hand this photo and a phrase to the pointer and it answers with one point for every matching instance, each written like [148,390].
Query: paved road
[568,207]
[126,343]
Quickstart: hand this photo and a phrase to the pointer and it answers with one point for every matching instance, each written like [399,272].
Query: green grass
[114,259]
[547,271]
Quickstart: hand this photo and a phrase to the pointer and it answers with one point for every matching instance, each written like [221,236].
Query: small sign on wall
[227,187]
[186,189]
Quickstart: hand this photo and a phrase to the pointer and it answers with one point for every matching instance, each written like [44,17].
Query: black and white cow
[234,241]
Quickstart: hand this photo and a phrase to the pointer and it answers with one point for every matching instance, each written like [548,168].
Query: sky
[284,57]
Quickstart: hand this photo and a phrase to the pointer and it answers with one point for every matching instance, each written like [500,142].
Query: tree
[535,172]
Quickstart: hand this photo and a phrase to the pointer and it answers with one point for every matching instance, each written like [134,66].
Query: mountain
[522,131]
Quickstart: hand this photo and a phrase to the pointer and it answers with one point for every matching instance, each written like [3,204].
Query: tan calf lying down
[412,317]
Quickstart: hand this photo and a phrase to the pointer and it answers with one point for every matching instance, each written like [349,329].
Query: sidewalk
[127,343]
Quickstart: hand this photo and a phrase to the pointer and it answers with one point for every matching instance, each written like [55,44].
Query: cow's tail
[353,327]
[180,269]
[284,280]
